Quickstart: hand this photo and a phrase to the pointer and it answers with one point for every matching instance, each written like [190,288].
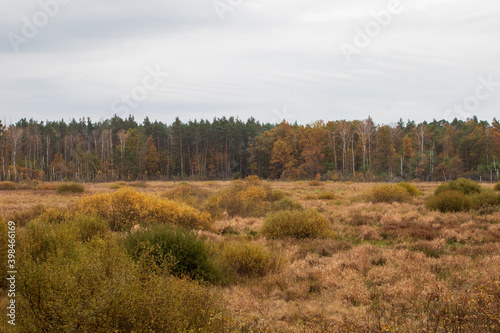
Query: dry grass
[398,266]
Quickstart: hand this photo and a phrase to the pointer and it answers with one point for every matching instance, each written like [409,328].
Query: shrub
[296,224]
[87,227]
[52,215]
[243,198]
[46,236]
[449,201]
[7,186]
[187,254]
[497,187]
[101,290]
[246,259]
[70,188]
[463,185]
[487,198]
[410,188]
[48,187]
[388,193]
[189,194]
[127,207]
[315,183]
[278,195]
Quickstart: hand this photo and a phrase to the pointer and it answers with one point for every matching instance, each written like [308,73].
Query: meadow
[254,256]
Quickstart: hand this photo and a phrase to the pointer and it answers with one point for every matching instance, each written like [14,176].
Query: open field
[376,267]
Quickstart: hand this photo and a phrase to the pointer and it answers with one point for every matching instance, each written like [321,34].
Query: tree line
[229,148]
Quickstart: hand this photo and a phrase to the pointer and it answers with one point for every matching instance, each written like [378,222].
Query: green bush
[246,259]
[54,233]
[180,248]
[100,289]
[463,185]
[410,188]
[7,186]
[70,188]
[449,201]
[296,224]
[88,227]
[388,193]
[485,199]
[497,187]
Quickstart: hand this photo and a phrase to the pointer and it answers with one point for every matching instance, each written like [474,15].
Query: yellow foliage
[246,259]
[297,224]
[244,198]
[388,193]
[127,207]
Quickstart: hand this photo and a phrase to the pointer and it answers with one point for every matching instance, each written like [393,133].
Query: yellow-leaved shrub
[297,224]
[246,259]
[127,207]
[388,193]
[251,197]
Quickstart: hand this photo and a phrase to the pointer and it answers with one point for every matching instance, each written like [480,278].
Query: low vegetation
[7,186]
[462,195]
[174,249]
[449,201]
[401,192]
[127,207]
[245,259]
[251,197]
[147,260]
[463,185]
[297,224]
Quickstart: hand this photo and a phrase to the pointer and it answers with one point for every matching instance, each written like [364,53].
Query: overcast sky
[270,59]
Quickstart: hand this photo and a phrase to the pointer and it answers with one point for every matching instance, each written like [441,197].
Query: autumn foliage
[127,207]
[251,197]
